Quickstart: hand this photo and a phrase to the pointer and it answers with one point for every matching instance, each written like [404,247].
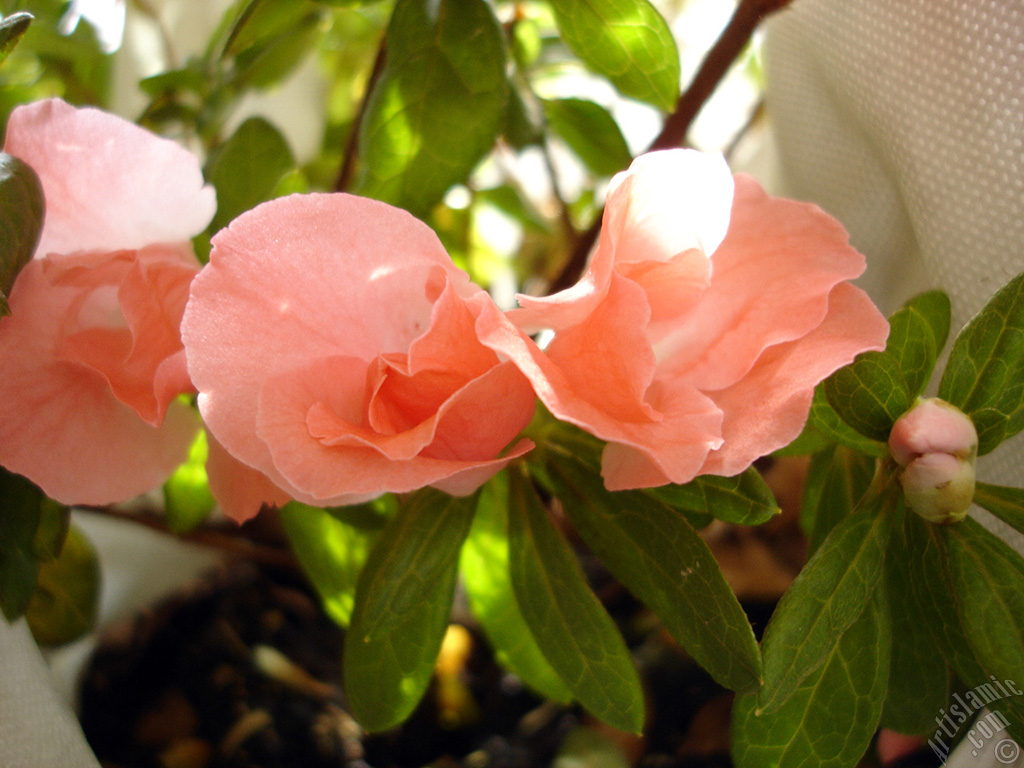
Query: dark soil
[244,671]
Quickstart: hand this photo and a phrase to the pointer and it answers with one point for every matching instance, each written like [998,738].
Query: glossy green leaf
[935,308]
[825,598]
[941,598]
[657,555]
[21,221]
[591,133]
[830,718]
[570,625]
[914,338]
[987,576]
[187,498]
[824,419]
[271,60]
[246,169]
[66,599]
[919,678]
[985,374]
[437,109]
[485,575]
[744,499]
[626,41]
[262,20]
[11,30]
[402,607]
[869,394]
[20,502]
[331,553]
[836,480]
[1005,503]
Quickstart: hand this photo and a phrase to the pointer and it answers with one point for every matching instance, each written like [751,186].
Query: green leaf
[934,307]
[626,41]
[591,133]
[437,109]
[744,499]
[574,632]
[64,605]
[271,60]
[987,577]
[11,30]
[1005,503]
[826,421]
[21,221]
[869,394]
[20,502]
[402,606]
[331,553]
[836,481]
[919,678]
[832,715]
[942,597]
[246,168]
[914,338]
[52,530]
[262,20]
[485,574]
[658,556]
[187,497]
[985,374]
[825,598]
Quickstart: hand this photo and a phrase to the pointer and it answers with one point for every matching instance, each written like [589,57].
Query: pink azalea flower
[334,346]
[707,315]
[91,353]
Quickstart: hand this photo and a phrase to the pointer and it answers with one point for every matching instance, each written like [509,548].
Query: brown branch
[348,160]
[725,51]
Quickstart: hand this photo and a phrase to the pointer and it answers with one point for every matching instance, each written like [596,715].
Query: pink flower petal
[109,185]
[767,409]
[60,424]
[771,279]
[240,490]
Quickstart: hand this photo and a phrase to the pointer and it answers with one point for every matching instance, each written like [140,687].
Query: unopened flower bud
[936,445]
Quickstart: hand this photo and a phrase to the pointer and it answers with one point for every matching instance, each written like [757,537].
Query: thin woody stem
[348,161]
[725,51]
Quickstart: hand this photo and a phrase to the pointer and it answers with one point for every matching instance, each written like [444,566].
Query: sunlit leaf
[485,573]
[187,498]
[402,606]
[11,30]
[331,553]
[571,627]
[628,42]
[437,108]
[591,133]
